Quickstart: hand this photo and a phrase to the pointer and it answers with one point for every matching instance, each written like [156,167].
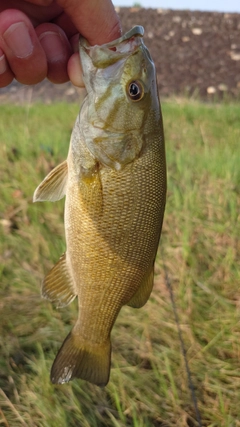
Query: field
[200,248]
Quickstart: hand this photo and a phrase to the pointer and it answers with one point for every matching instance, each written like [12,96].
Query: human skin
[39,38]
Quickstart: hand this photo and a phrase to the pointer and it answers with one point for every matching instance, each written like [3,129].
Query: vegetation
[200,248]
[137,4]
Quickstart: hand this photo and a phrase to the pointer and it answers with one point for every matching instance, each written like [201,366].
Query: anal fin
[143,293]
[81,359]
[53,187]
[58,286]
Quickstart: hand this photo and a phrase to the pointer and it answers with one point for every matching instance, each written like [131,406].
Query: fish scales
[114,180]
[110,251]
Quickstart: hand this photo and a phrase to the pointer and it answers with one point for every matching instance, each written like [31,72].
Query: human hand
[39,38]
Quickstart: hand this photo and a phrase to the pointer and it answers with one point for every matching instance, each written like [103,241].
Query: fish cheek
[127,117]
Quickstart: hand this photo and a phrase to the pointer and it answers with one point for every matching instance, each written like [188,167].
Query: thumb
[96,20]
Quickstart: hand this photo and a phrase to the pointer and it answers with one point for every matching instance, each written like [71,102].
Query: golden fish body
[115,185]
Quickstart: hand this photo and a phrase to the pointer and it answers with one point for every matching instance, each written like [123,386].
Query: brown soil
[196,53]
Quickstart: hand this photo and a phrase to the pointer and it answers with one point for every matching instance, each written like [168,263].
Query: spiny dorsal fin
[53,187]
[143,293]
[80,359]
[58,286]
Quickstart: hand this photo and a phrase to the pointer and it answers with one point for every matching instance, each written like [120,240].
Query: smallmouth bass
[114,180]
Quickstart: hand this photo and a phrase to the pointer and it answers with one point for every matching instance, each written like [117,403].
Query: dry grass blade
[8,403]
[3,420]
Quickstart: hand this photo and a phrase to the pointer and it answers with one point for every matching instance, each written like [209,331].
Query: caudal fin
[77,359]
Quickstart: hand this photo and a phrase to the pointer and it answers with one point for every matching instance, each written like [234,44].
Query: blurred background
[203,5]
[196,49]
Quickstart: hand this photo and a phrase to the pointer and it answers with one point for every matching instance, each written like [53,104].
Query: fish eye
[135,90]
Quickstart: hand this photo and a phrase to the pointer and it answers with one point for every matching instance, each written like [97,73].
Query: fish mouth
[107,54]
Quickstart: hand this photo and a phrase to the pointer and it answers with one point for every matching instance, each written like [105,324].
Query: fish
[114,183]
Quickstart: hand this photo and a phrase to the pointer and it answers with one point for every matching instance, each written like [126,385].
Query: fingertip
[75,71]
[24,54]
[6,79]
[6,76]
[3,63]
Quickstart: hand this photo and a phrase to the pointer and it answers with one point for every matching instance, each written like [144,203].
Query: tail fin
[77,359]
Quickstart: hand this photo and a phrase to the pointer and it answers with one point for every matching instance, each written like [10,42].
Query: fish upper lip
[109,53]
[138,30]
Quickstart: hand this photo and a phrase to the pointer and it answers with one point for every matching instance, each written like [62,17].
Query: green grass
[201,249]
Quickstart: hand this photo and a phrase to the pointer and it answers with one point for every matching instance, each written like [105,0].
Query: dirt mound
[196,53]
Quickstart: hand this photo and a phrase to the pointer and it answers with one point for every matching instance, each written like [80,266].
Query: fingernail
[52,45]
[3,63]
[18,39]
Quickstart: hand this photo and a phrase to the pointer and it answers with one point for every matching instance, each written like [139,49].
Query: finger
[57,50]
[96,20]
[6,76]
[22,49]
[40,2]
[74,64]
[65,22]
[75,70]
[75,43]
[38,11]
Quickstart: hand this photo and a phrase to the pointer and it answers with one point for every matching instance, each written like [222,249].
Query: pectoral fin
[53,187]
[58,286]
[143,293]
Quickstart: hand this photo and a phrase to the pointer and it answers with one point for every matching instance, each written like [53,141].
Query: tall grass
[200,247]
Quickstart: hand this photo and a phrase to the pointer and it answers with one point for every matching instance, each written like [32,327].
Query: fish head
[120,81]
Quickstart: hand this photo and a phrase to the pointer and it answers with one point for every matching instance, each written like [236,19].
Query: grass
[200,247]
